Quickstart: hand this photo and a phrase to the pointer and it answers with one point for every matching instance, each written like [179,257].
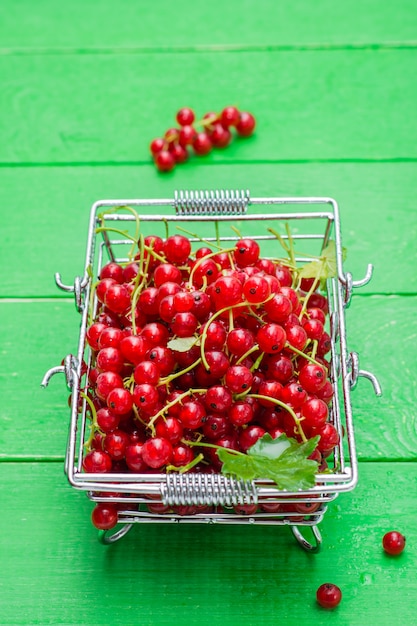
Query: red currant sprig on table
[214,130]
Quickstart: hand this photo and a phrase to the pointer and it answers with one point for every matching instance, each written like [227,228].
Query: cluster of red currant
[214,130]
[192,352]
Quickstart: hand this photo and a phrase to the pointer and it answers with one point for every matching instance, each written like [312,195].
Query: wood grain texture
[54,571]
[38,335]
[377,206]
[310,105]
[383,331]
[84,25]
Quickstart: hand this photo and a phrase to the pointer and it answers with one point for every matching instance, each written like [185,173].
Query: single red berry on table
[393,542]
[328,595]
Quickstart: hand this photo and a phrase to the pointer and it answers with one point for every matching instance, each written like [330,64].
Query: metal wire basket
[217,216]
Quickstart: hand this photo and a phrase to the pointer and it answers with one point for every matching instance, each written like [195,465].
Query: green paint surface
[85,88]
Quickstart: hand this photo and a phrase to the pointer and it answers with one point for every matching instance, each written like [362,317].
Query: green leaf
[269,447]
[325,266]
[182,344]
[282,460]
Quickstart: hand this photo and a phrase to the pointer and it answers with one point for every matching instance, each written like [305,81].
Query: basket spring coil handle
[217,202]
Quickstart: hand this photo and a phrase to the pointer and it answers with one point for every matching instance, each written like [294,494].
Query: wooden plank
[382,331]
[186,24]
[310,105]
[35,422]
[38,334]
[377,205]
[56,572]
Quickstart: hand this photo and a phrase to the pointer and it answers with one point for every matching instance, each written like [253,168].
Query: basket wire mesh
[218,217]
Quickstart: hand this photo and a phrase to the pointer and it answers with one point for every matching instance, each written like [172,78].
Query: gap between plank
[128,163]
[204,48]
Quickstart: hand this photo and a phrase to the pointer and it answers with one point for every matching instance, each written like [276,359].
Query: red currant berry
[162,357]
[182,301]
[179,153]
[145,396]
[185,116]
[271,338]
[329,438]
[171,428]
[312,377]
[230,116]
[93,334]
[202,144]
[106,420]
[256,289]
[294,395]
[218,399]
[117,298]
[104,516]
[246,124]
[133,457]
[328,595]
[393,542]
[110,360]
[164,161]
[186,135]
[146,372]
[215,335]
[283,274]
[249,436]
[220,136]
[97,461]
[177,249]
[278,308]
[115,444]
[315,413]
[157,452]
[106,381]
[184,324]
[240,413]
[112,270]
[157,145]
[246,252]
[227,291]
[192,414]
[271,389]
[238,378]
[120,401]
[182,455]
[134,348]
[239,341]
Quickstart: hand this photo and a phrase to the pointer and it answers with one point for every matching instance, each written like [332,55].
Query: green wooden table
[85,87]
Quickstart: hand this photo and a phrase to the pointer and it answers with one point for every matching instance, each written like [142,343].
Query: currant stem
[185,468]
[301,353]
[108,229]
[201,444]
[199,262]
[167,379]
[284,406]
[307,296]
[254,348]
[201,239]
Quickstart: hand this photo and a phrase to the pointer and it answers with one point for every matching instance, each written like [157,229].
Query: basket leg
[306,545]
[107,539]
